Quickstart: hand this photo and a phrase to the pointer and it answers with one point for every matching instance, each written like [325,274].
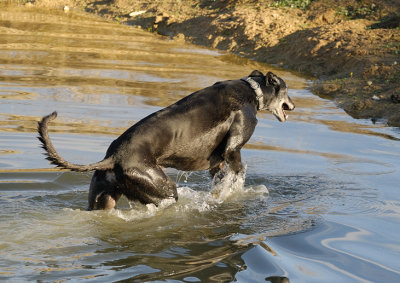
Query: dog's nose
[288,106]
[291,105]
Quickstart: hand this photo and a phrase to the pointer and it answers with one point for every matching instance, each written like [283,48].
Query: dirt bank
[352,47]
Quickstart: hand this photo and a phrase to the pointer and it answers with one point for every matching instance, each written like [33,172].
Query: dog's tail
[56,159]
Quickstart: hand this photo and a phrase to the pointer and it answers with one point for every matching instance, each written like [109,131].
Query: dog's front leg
[240,132]
[234,160]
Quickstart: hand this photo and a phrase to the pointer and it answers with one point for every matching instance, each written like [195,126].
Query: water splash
[227,183]
[226,187]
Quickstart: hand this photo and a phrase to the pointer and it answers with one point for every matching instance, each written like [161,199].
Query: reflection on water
[318,204]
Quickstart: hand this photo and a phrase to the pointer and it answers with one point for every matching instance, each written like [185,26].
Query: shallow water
[320,200]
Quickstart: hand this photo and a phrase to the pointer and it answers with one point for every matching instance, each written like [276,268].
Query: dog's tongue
[284,114]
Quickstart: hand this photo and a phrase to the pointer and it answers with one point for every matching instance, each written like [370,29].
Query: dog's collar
[257,89]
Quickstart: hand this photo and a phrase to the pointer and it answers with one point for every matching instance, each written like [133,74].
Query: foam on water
[226,183]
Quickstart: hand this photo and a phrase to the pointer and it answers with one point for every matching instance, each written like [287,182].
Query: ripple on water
[362,167]
[54,234]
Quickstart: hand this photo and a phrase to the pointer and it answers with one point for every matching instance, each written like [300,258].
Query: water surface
[320,202]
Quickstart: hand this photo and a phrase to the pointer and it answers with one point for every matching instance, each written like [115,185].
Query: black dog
[199,132]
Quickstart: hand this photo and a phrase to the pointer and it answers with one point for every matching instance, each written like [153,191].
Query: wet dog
[199,132]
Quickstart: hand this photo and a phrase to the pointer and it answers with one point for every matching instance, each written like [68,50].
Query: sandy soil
[352,47]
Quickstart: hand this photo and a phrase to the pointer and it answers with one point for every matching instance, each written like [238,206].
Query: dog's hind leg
[148,185]
[216,158]
[104,191]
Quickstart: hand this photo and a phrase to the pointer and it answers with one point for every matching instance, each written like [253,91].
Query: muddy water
[320,200]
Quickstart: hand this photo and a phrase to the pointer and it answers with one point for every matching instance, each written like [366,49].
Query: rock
[328,17]
[369,83]
[136,13]
[160,18]
[361,104]
[180,37]
[66,9]
[357,105]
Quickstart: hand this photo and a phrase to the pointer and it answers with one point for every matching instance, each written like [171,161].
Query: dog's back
[185,134]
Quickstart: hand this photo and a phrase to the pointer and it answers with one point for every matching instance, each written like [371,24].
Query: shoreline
[352,48]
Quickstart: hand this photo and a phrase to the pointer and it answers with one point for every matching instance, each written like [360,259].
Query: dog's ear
[256,73]
[273,79]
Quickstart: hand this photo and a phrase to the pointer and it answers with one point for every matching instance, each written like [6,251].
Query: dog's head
[275,95]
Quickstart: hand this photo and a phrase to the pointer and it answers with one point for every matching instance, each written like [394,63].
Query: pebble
[66,9]
[369,83]
[136,13]
[376,98]
[161,18]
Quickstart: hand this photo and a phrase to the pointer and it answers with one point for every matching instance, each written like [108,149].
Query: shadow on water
[318,202]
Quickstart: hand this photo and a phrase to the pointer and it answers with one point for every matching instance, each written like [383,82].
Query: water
[319,203]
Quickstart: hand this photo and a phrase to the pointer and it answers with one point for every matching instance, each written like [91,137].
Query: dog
[202,131]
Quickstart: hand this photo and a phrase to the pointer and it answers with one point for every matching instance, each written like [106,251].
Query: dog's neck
[257,89]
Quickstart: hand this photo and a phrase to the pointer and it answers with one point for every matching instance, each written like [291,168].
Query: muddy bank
[351,47]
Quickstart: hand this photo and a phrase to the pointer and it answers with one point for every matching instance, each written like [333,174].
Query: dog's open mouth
[285,107]
[280,112]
